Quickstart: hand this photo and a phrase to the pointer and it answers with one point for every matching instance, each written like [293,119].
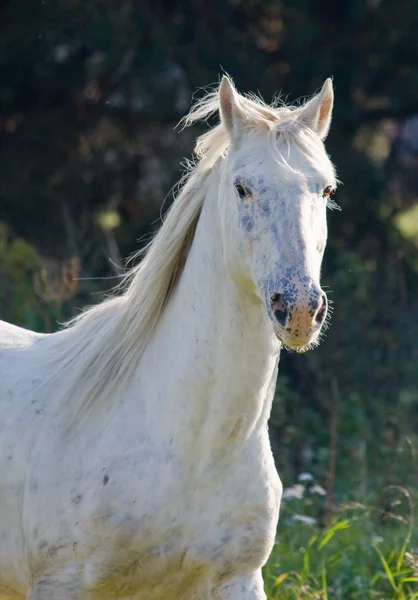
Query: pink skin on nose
[301,318]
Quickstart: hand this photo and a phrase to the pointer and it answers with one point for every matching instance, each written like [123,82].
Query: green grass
[355,557]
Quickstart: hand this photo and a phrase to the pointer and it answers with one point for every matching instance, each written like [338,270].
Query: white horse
[134,452]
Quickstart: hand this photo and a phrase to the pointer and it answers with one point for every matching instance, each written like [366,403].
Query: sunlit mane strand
[96,356]
[279,122]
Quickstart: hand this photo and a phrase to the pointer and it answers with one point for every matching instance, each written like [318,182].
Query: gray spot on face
[265,208]
[248,223]
[275,232]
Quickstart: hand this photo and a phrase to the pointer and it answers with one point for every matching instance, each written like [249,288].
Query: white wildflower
[294,493]
[305,477]
[317,489]
[304,519]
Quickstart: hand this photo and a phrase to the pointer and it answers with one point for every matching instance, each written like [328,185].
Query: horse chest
[172,533]
[146,517]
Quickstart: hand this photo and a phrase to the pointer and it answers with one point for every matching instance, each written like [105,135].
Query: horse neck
[218,349]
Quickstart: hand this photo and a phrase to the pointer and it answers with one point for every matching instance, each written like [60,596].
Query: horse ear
[318,111]
[230,111]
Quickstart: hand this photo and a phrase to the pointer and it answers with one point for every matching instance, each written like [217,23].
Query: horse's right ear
[231,113]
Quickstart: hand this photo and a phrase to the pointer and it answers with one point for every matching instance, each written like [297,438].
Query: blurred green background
[90,94]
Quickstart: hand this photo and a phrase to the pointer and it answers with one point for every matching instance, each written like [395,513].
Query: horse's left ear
[230,111]
[318,111]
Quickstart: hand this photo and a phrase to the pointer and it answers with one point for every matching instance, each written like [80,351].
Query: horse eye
[243,191]
[328,191]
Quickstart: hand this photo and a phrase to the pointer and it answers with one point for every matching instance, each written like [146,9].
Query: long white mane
[98,353]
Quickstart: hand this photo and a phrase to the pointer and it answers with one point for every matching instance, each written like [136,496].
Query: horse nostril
[279,309]
[281,316]
[320,315]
